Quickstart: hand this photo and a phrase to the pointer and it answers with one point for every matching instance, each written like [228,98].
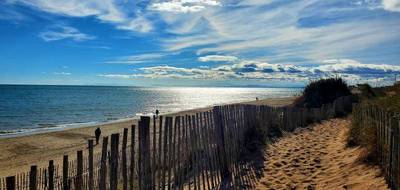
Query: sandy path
[317,158]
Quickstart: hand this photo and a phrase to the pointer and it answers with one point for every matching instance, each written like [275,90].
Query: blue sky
[198,42]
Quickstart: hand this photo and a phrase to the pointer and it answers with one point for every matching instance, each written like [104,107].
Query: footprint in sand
[316,157]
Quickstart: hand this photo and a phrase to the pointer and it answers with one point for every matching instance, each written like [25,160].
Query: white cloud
[117,76]
[349,66]
[275,28]
[109,11]
[62,73]
[340,61]
[391,5]
[183,6]
[135,59]
[139,24]
[218,58]
[60,32]
[103,9]
[350,70]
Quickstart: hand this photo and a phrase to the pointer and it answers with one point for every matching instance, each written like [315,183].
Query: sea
[27,109]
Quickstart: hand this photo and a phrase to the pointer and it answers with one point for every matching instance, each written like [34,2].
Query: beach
[19,153]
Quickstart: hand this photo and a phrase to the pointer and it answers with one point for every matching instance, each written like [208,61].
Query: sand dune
[317,158]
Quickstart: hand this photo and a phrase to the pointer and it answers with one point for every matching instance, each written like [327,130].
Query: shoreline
[70,126]
[20,152]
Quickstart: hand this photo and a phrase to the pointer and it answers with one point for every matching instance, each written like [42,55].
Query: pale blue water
[31,108]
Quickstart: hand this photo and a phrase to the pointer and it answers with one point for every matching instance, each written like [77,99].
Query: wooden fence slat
[144,153]
[10,183]
[154,152]
[90,163]
[103,165]
[187,151]
[33,178]
[180,161]
[140,157]
[174,153]
[170,153]
[65,172]
[132,164]
[124,160]
[165,150]
[51,175]
[79,170]
[114,161]
[193,152]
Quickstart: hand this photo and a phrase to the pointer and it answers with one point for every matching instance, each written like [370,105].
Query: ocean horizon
[26,109]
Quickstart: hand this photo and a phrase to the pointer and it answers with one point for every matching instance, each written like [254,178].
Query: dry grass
[387,98]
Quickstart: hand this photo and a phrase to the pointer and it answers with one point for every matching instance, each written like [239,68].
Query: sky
[198,42]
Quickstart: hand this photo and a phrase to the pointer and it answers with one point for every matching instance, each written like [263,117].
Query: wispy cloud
[139,58]
[62,73]
[183,6]
[61,32]
[139,24]
[308,30]
[218,58]
[108,11]
[8,13]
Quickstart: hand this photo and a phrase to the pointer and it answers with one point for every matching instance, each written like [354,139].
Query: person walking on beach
[97,132]
[157,112]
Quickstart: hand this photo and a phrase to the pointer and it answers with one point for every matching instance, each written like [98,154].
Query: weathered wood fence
[199,151]
[387,138]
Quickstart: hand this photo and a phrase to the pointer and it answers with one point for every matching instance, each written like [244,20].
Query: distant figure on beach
[256,98]
[97,132]
[157,112]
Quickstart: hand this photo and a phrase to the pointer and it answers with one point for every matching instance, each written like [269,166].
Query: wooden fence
[387,138]
[199,151]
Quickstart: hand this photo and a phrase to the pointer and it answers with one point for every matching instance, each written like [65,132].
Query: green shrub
[322,91]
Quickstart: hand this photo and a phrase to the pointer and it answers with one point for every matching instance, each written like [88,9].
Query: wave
[42,128]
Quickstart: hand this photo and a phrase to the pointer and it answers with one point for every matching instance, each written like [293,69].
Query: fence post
[170,154]
[164,149]
[10,183]
[154,157]
[33,178]
[114,162]
[51,175]
[103,165]
[79,170]
[144,154]
[221,142]
[393,152]
[90,145]
[159,160]
[124,169]
[65,173]
[133,131]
